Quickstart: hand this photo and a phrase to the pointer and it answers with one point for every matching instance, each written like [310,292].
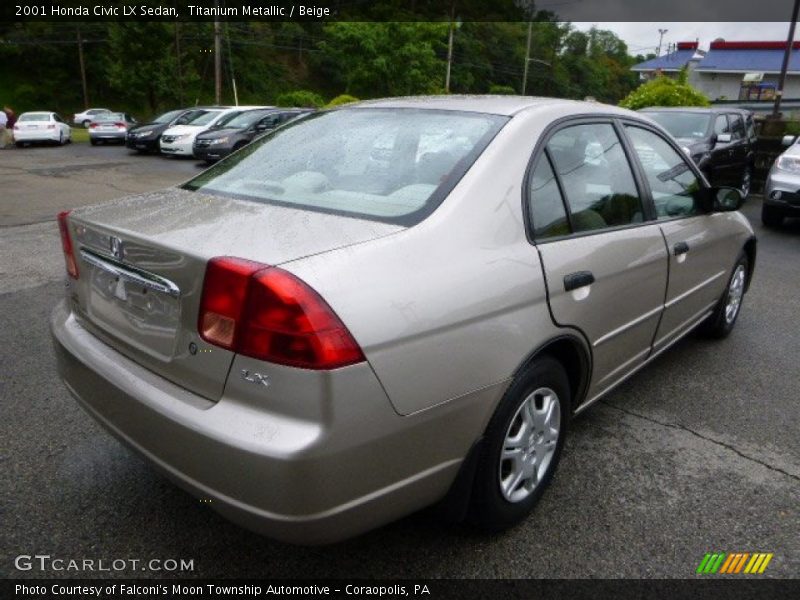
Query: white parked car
[86,117]
[41,127]
[178,140]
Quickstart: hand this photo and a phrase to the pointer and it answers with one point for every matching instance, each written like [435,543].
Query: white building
[746,71]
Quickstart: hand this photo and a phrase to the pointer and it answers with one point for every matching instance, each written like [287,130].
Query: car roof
[696,109]
[489,104]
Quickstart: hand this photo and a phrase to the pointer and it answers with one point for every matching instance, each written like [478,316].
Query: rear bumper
[115,136]
[36,136]
[347,465]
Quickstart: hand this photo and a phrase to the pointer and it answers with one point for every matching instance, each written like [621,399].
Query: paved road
[699,452]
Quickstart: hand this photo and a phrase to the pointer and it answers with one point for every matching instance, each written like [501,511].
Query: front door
[696,279]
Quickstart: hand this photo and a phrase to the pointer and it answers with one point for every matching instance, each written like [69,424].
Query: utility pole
[661,33]
[527,58]
[230,64]
[450,47]
[83,69]
[776,109]
[217,58]
[178,63]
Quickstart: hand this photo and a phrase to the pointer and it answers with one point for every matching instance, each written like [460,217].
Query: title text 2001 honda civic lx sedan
[393,303]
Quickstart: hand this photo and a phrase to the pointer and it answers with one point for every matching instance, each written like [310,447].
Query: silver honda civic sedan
[393,304]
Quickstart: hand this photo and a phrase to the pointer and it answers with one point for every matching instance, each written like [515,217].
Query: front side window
[737,127]
[391,165]
[721,125]
[672,182]
[596,177]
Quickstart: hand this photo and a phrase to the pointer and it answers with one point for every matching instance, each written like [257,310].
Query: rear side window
[672,183]
[547,212]
[595,176]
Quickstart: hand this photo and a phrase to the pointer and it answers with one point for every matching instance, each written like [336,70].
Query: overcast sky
[643,37]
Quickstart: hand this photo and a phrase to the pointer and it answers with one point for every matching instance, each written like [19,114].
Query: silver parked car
[110,127]
[393,303]
[782,189]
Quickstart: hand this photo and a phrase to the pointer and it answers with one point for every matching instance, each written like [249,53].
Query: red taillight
[92,125]
[120,124]
[66,245]
[269,314]
[51,126]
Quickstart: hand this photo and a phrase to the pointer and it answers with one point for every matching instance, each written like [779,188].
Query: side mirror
[788,140]
[727,199]
[724,138]
[718,199]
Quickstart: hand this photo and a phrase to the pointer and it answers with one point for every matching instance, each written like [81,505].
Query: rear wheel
[771,216]
[19,144]
[722,320]
[86,123]
[522,447]
[93,142]
[61,139]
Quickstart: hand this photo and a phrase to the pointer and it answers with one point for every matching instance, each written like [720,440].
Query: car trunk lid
[142,261]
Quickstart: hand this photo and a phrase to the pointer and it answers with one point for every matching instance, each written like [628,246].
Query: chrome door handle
[577,280]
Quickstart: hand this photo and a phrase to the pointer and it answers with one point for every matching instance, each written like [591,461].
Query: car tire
[93,142]
[771,216]
[497,503]
[86,123]
[19,144]
[746,182]
[721,322]
[61,139]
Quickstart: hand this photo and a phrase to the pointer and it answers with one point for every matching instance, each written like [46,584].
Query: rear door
[697,275]
[604,259]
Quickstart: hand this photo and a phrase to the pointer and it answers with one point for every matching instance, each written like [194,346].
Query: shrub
[341,99]
[505,90]
[301,98]
[663,91]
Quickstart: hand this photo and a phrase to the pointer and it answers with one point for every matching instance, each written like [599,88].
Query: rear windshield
[393,165]
[683,124]
[110,117]
[205,118]
[34,117]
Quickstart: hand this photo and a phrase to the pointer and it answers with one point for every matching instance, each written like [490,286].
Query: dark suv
[719,140]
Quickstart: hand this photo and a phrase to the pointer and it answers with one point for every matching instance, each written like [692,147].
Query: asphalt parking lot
[699,452]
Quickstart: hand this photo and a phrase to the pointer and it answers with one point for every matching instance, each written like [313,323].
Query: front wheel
[720,323]
[745,184]
[523,444]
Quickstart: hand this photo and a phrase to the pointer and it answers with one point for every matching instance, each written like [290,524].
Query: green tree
[382,59]
[664,91]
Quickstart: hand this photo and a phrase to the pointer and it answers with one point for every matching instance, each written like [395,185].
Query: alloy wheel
[530,444]
[735,293]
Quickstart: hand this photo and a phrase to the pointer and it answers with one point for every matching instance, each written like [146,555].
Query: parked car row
[208,132]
